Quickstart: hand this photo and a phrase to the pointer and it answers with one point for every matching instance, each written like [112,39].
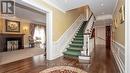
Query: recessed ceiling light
[102,4]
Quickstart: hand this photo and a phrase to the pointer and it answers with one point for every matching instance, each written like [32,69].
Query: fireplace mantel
[15,34]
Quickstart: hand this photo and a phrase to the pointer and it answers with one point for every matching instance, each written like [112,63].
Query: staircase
[76,46]
[80,45]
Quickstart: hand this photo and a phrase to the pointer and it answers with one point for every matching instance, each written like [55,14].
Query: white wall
[127,37]
[100,35]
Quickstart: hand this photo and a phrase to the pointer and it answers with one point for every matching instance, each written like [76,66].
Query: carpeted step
[74,49]
[76,45]
[78,42]
[78,39]
[78,36]
[72,53]
[79,33]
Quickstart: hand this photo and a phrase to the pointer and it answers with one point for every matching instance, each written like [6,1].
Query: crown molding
[50,3]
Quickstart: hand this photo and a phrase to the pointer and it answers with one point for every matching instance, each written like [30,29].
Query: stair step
[75,49]
[78,38]
[76,45]
[79,33]
[77,42]
[72,53]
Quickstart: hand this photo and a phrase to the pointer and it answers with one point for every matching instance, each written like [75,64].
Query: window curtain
[32,28]
[39,34]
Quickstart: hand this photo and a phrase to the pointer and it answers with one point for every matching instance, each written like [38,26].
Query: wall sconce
[25,28]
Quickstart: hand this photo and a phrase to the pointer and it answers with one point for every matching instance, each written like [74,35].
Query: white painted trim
[76,7]
[50,52]
[127,36]
[115,7]
[50,3]
[65,39]
[118,51]
[119,44]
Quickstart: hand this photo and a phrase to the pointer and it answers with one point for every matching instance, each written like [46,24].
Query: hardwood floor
[102,62]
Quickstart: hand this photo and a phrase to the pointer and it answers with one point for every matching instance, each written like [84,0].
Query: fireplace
[11,42]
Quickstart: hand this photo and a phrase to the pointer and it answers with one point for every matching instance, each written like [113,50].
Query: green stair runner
[75,48]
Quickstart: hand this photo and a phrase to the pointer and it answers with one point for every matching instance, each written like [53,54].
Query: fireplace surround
[10,42]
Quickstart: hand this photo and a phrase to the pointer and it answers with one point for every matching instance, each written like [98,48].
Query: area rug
[63,69]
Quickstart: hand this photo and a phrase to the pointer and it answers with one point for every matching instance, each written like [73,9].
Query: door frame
[108,37]
[49,16]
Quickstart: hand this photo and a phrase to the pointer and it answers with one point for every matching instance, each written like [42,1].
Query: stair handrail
[87,36]
[88,22]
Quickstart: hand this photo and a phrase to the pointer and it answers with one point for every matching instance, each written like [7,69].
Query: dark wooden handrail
[91,26]
[88,21]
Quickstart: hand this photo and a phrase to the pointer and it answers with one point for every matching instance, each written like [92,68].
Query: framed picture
[115,23]
[12,26]
[122,14]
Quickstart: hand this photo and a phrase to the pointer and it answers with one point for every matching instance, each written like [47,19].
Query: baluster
[85,45]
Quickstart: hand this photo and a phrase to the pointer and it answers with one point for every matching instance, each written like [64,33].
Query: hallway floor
[102,62]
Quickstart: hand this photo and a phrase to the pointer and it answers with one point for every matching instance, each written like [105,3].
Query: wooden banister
[88,21]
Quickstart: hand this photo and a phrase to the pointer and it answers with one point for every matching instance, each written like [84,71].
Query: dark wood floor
[102,62]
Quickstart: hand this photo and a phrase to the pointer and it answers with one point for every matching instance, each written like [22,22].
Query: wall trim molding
[50,3]
[118,51]
[67,36]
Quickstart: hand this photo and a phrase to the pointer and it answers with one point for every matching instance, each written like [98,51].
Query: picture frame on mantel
[12,26]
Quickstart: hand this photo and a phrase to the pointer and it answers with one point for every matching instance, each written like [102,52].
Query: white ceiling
[99,7]
[102,9]
[103,22]
[66,5]
[29,14]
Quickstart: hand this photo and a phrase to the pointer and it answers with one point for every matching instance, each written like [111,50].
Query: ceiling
[29,14]
[99,7]
[25,13]
[66,5]
[103,8]
[103,23]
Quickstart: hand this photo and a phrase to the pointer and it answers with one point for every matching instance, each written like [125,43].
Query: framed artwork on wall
[12,26]
[115,23]
[122,14]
